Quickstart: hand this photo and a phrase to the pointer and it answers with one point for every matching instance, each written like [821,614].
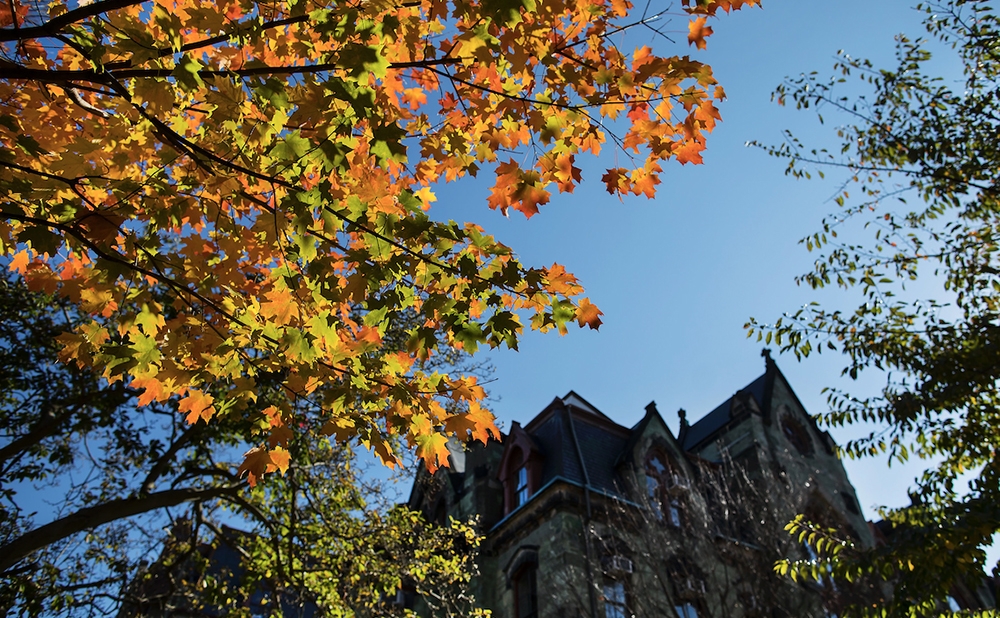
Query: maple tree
[90,481]
[238,189]
[921,152]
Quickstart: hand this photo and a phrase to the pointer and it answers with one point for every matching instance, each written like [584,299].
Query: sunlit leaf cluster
[238,189]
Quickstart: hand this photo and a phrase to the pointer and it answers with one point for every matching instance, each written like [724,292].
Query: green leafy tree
[90,480]
[921,202]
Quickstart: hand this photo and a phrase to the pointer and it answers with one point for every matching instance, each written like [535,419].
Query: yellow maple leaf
[433,450]
[280,458]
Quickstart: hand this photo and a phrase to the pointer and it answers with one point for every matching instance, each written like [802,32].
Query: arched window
[797,435]
[522,574]
[526,591]
[664,489]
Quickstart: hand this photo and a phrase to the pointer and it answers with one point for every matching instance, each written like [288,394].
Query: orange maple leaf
[710,8]
[280,306]
[198,405]
[689,151]
[477,422]
[697,31]
[279,436]
[616,181]
[259,461]
[273,415]
[426,197]
[254,466]
[152,390]
[414,97]
[20,262]
[340,428]
[589,314]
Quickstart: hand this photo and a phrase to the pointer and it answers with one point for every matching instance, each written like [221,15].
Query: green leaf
[186,72]
[291,147]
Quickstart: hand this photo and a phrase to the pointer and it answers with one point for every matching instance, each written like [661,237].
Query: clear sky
[678,276]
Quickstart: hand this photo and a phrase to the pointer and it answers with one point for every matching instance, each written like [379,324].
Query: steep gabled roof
[573,399]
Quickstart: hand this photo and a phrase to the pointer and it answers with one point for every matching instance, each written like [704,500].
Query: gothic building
[585,517]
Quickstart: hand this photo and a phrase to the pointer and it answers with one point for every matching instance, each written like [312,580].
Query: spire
[770,371]
[768,361]
[682,433]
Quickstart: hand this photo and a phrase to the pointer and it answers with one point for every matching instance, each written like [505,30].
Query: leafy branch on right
[920,203]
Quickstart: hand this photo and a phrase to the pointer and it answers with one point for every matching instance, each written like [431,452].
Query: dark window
[797,435]
[850,502]
[440,513]
[525,593]
[614,599]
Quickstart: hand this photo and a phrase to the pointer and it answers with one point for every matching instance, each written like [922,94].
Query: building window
[686,610]
[614,599]
[797,435]
[525,592]
[663,489]
[521,491]
[520,469]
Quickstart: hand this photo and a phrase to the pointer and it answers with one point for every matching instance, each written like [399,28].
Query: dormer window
[522,491]
[520,469]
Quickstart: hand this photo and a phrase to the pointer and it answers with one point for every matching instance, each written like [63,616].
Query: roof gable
[652,429]
[573,399]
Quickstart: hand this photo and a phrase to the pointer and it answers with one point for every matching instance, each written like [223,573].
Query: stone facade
[584,517]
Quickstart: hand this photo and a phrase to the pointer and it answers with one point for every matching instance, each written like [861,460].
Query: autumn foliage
[239,189]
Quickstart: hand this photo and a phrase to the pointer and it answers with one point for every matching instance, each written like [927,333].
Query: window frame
[527,574]
[797,435]
[618,606]
[661,474]
[522,484]
[519,453]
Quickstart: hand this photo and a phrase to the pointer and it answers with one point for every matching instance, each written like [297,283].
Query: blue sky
[678,276]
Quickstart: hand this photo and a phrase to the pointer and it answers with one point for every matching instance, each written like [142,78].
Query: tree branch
[11,71]
[94,516]
[55,25]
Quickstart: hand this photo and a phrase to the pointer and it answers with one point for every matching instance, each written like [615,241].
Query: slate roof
[717,418]
[598,443]
[602,445]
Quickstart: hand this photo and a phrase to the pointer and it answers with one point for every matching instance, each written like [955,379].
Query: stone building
[585,517]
